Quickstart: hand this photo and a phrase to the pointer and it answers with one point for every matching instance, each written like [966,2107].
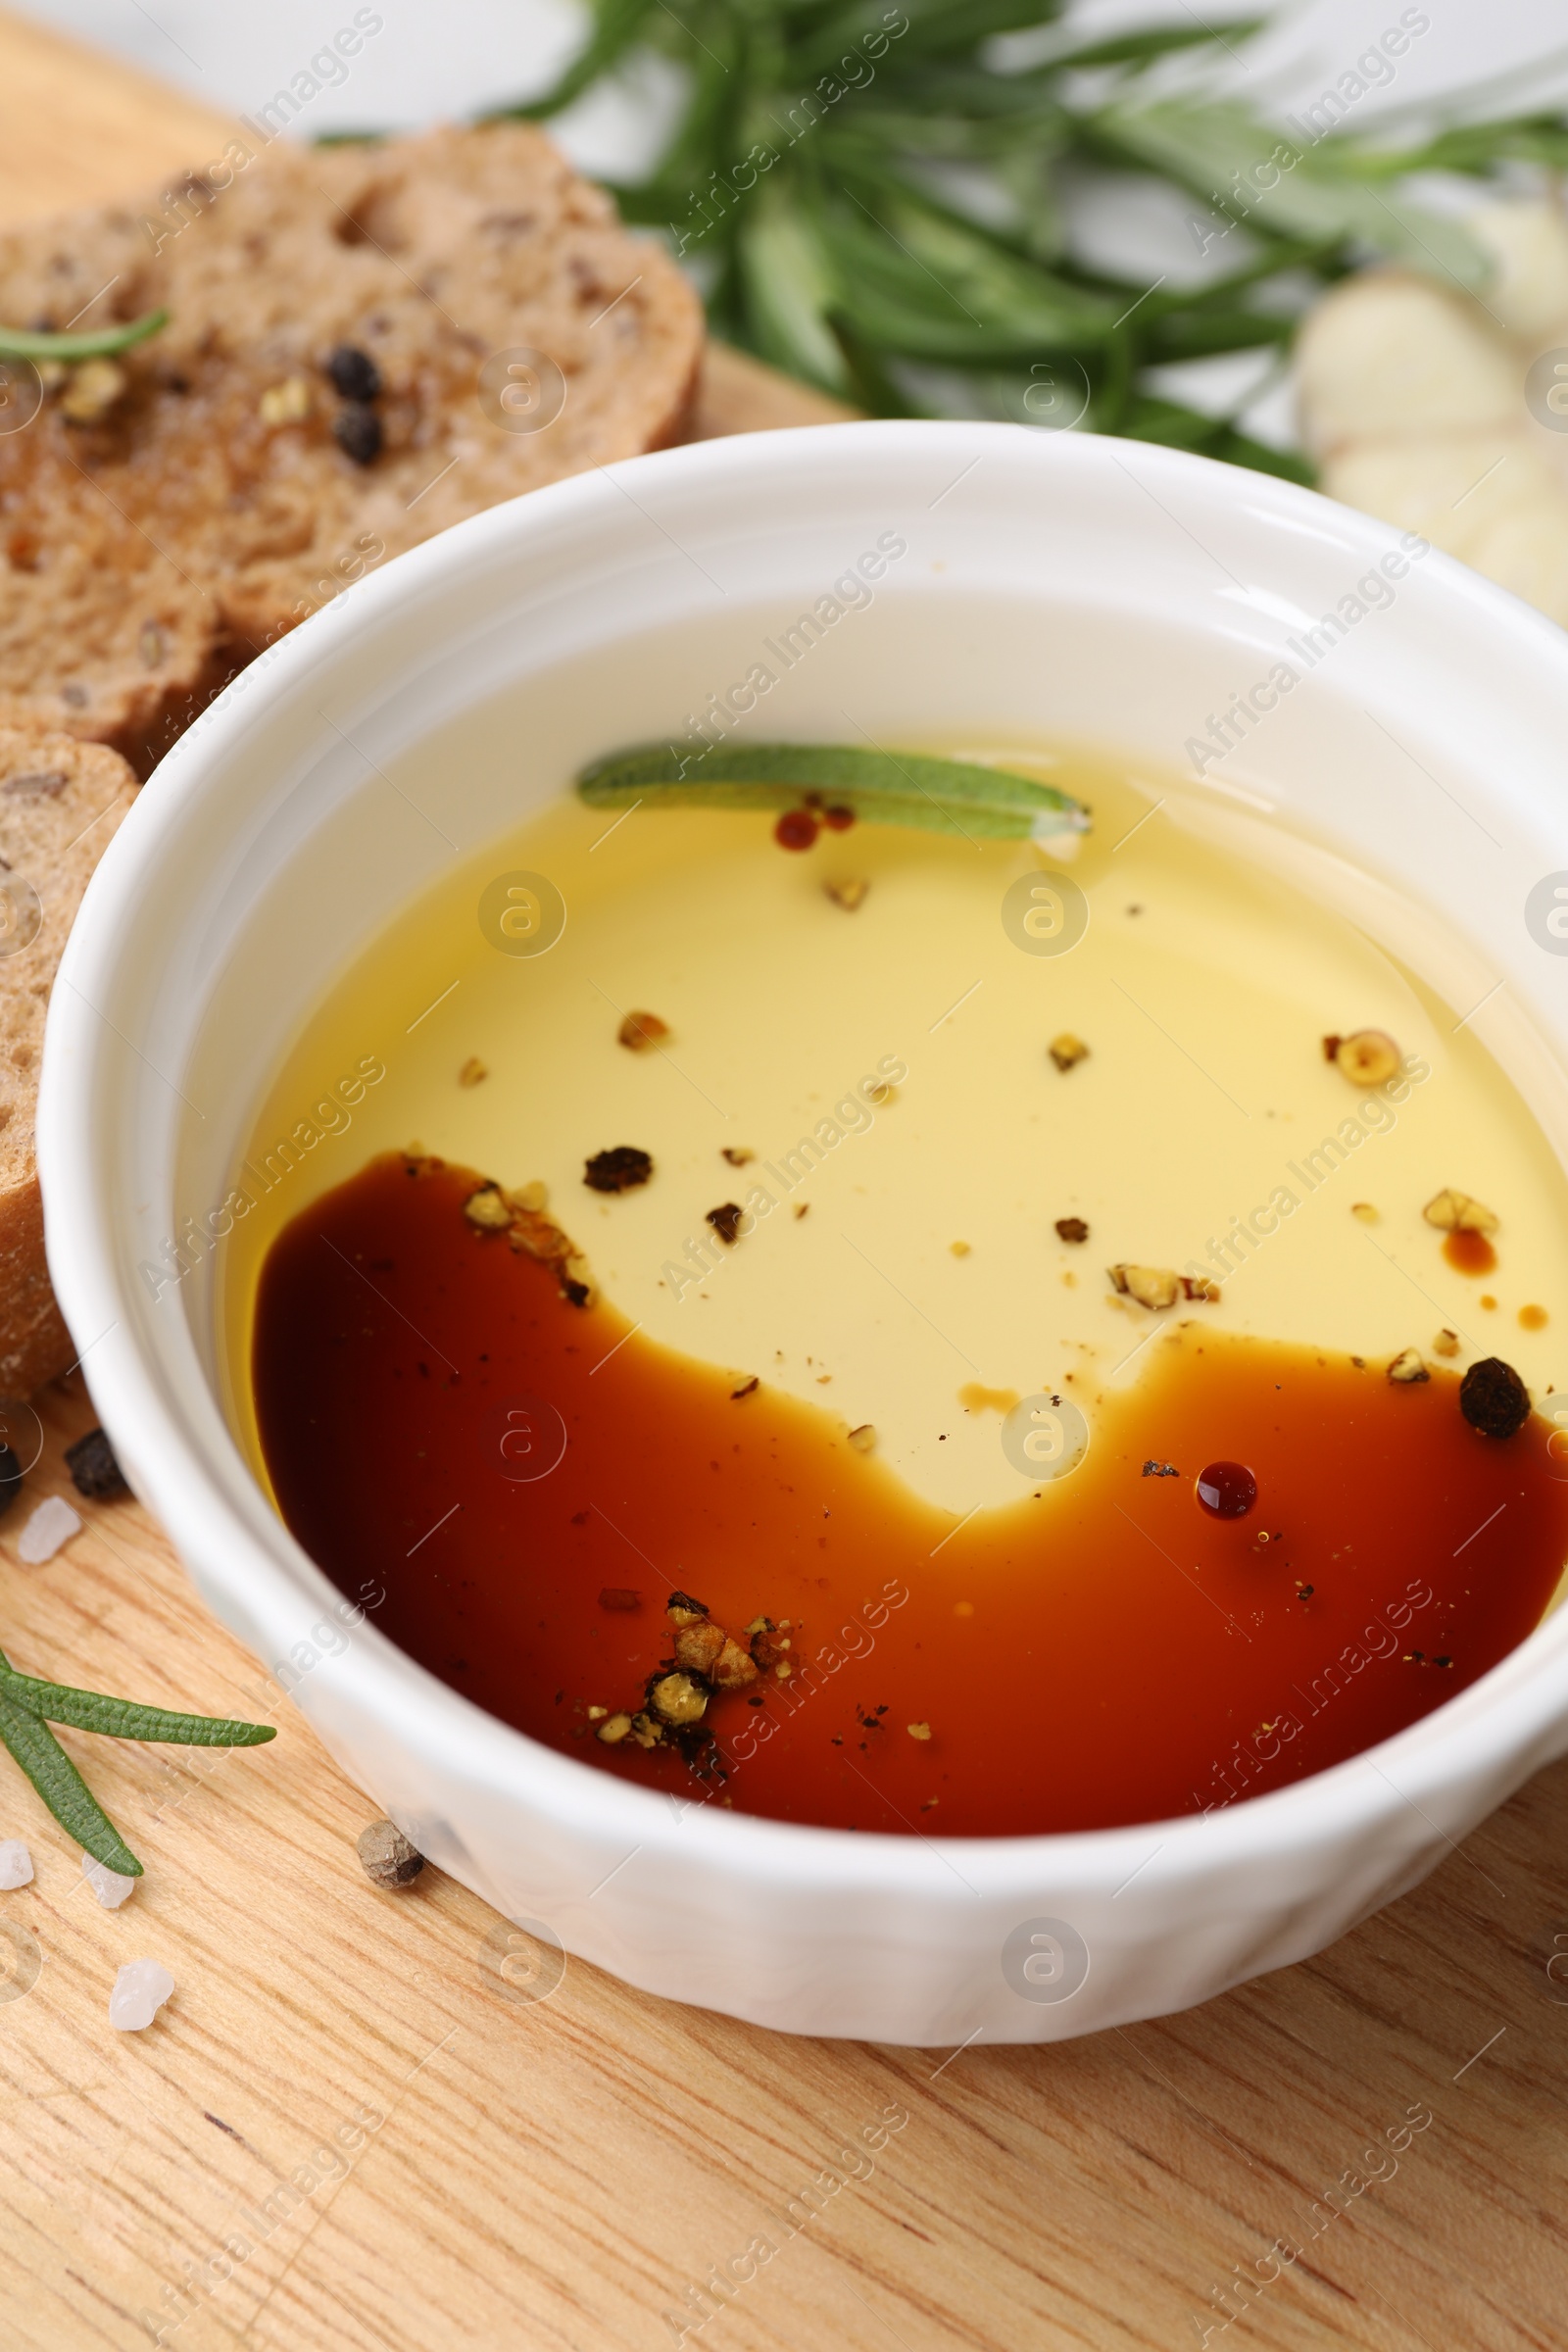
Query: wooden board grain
[351,2129]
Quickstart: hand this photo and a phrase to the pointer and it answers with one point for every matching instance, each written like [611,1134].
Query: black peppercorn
[354,372]
[1493,1399]
[357,431]
[10,1479]
[94,1471]
[389,1859]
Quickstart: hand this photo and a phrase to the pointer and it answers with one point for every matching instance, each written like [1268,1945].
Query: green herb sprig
[20,343]
[889,788]
[28,1706]
[879,198]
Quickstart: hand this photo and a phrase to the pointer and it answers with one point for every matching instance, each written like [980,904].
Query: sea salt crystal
[141,1989]
[110,1887]
[52,1524]
[15,1863]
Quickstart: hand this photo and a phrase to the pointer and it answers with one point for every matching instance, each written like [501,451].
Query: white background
[440,58]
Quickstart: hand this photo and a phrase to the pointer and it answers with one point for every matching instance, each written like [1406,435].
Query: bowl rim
[1478,1736]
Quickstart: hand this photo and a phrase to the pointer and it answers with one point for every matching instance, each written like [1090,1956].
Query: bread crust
[61,802]
[150,551]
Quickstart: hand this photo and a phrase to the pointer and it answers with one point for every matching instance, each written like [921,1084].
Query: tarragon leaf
[1160,40]
[1197,334]
[925,284]
[63,1790]
[1147,418]
[890,788]
[1226,157]
[1476,148]
[931,28]
[790,288]
[618,23]
[970,159]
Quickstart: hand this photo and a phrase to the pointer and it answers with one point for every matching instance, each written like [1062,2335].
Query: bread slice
[60,803]
[149,551]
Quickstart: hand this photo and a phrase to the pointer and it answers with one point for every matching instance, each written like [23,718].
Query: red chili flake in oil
[796,829]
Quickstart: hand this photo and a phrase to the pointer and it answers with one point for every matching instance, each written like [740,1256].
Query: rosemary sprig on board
[28,1706]
[879,197]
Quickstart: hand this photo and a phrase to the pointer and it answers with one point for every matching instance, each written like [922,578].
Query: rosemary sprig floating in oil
[102,343]
[882,199]
[836,784]
[28,1706]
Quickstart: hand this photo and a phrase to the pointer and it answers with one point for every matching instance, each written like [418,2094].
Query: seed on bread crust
[354,373]
[92,391]
[288,403]
[358,432]
[254,529]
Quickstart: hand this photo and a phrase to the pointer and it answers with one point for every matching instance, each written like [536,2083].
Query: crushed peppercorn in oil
[904,1604]
[783,1507]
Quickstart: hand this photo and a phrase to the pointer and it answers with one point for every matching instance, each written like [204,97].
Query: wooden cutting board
[344,2132]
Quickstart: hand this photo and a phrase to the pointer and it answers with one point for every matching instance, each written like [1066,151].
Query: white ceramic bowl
[1052,586]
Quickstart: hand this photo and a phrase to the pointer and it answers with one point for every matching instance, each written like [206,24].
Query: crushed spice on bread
[188,496]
